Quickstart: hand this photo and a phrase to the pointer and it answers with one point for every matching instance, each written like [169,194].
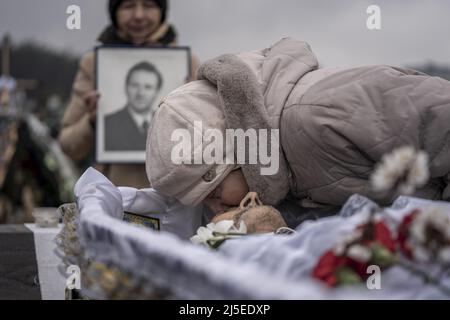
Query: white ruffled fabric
[253,267]
[104,197]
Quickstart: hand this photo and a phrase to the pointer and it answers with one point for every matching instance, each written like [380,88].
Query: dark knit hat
[114,5]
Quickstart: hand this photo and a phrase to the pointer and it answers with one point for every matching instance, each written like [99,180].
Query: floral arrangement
[371,243]
[422,237]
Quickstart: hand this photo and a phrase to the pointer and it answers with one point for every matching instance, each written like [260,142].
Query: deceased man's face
[142,89]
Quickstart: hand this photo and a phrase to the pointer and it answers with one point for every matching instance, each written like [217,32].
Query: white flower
[404,168]
[419,174]
[430,235]
[219,231]
[434,218]
[202,236]
[341,246]
[359,253]
[350,239]
[223,226]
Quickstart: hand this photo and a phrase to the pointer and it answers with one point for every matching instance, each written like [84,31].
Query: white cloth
[253,267]
[174,217]
[51,281]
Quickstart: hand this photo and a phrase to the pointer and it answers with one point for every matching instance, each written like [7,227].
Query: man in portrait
[126,129]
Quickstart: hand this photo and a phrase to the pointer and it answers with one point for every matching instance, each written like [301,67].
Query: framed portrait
[132,82]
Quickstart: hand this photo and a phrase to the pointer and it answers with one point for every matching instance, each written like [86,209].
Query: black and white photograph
[132,82]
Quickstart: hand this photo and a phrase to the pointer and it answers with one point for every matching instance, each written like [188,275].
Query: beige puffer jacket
[335,125]
[335,133]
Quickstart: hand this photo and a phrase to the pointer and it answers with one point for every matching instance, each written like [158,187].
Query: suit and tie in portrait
[124,134]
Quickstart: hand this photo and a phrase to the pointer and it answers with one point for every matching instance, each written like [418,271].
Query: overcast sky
[413,31]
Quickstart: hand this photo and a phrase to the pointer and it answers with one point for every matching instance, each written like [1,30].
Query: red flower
[327,266]
[359,267]
[384,237]
[381,234]
[403,233]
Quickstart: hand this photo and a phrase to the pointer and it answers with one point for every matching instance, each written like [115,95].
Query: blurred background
[40,58]
[413,31]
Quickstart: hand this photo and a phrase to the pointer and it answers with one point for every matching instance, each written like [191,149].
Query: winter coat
[335,124]
[77,136]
